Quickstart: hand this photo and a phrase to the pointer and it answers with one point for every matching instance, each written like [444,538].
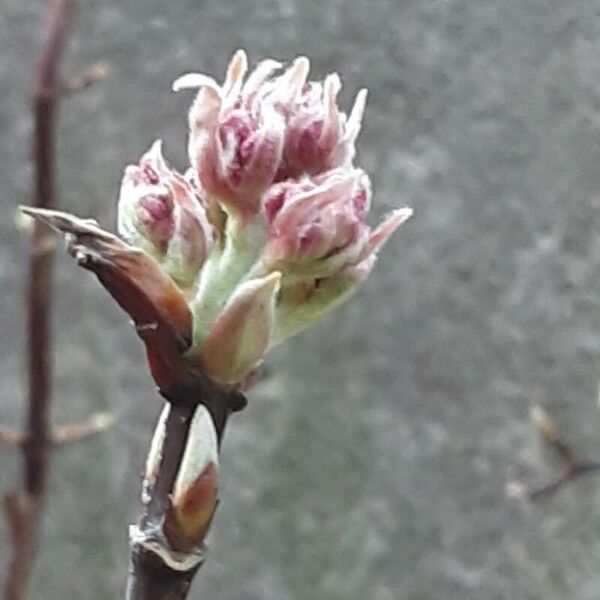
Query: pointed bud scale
[194,497]
[242,331]
[303,302]
[380,235]
[156,305]
[161,212]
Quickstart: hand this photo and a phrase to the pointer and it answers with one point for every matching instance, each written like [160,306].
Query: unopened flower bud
[318,136]
[320,241]
[161,212]
[234,144]
[246,135]
[242,331]
[194,497]
[317,225]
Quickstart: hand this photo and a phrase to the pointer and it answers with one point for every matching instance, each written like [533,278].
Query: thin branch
[151,575]
[11,437]
[22,514]
[77,432]
[64,434]
[573,466]
[23,508]
[90,76]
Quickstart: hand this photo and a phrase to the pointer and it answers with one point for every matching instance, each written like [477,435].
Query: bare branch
[91,76]
[76,432]
[22,512]
[64,434]
[11,437]
[573,467]
[23,508]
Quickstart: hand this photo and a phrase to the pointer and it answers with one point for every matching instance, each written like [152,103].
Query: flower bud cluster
[267,230]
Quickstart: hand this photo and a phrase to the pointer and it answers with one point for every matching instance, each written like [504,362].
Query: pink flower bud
[318,225]
[308,295]
[318,136]
[161,212]
[235,144]
[246,135]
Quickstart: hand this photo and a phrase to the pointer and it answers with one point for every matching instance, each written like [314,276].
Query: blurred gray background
[372,460]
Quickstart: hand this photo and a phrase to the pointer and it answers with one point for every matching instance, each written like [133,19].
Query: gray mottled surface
[372,460]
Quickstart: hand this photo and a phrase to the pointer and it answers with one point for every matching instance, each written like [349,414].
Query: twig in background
[90,76]
[573,466]
[64,434]
[23,508]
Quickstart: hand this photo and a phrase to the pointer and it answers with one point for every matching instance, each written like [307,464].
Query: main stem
[150,577]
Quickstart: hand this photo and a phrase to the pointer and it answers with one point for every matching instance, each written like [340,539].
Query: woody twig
[573,465]
[23,508]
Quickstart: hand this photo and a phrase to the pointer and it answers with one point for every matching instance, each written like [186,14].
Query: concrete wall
[372,460]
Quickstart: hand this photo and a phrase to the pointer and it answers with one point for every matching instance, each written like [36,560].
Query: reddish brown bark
[23,508]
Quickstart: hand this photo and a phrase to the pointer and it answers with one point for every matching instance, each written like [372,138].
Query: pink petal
[235,75]
[385,229]
[354,122]
[263,70]
[292,81]
[339,184]
[189,81]
[204,113]
[259,171]
[330,131]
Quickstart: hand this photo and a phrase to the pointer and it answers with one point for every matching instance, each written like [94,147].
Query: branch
[11,437]
[23,508]
[573,467]
[64,434]
[91,76]
[162,320]
[77,432]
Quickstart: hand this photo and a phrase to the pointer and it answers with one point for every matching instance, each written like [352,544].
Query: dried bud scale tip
[543,423]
